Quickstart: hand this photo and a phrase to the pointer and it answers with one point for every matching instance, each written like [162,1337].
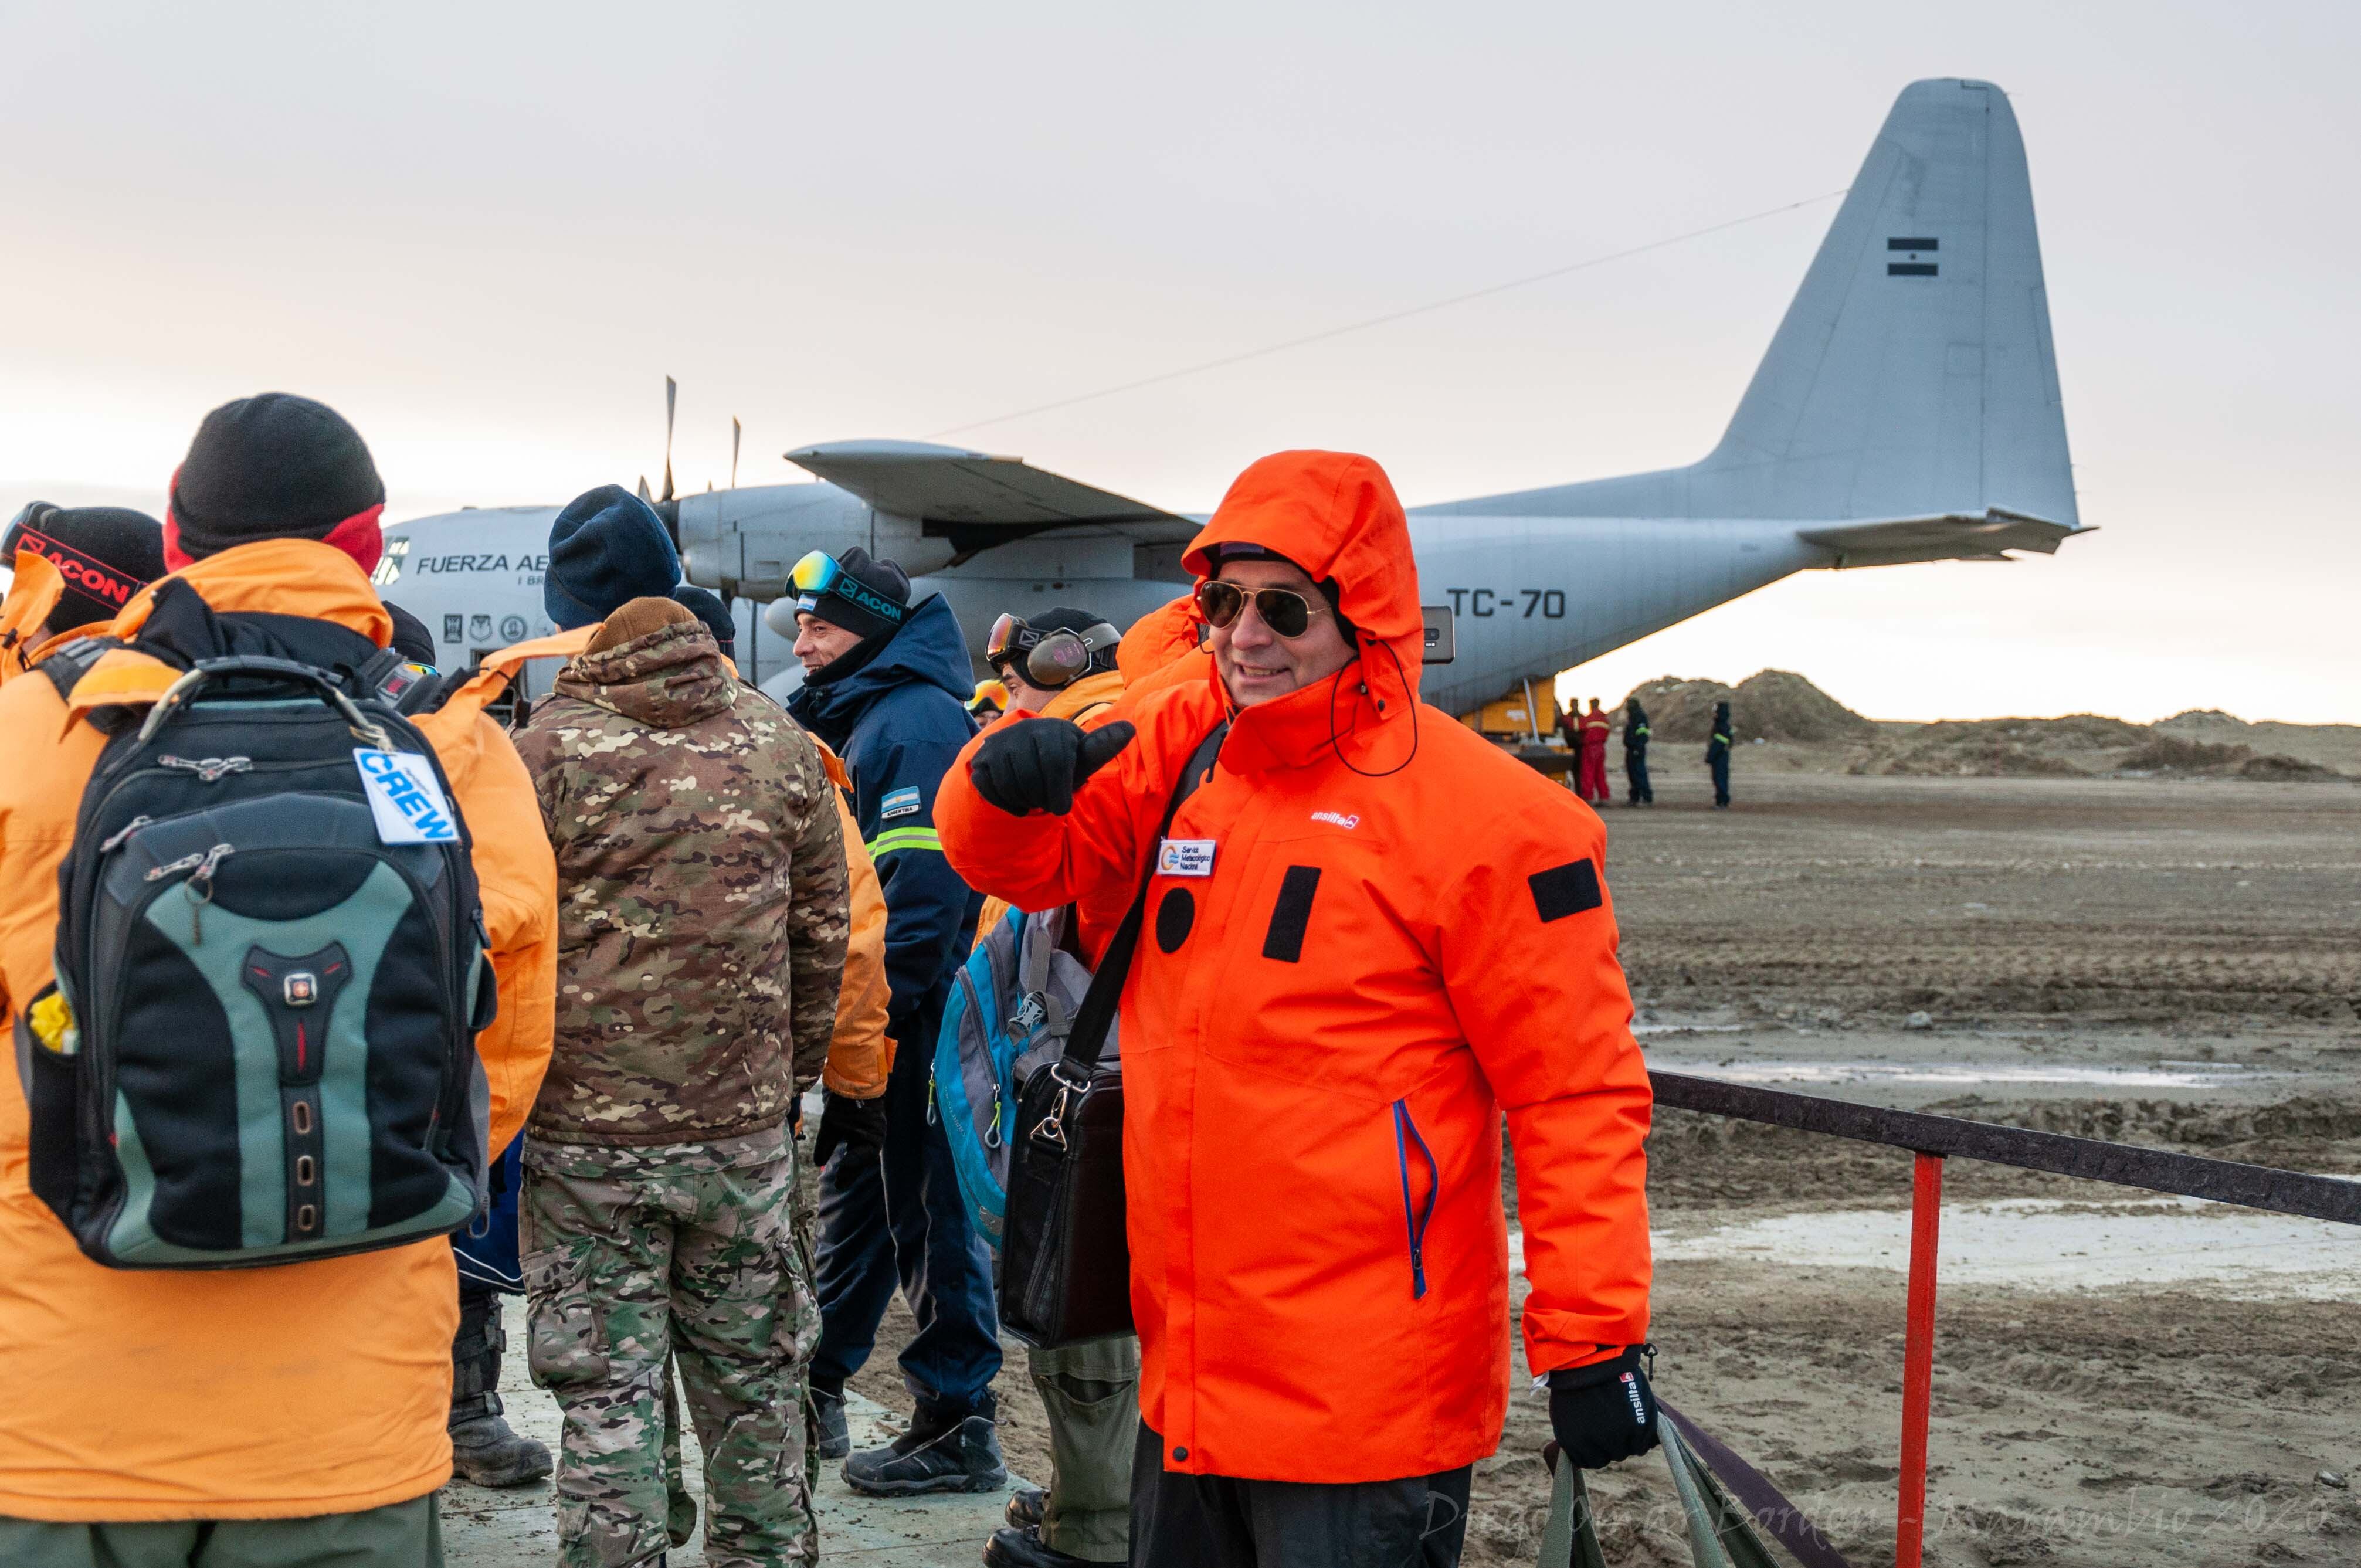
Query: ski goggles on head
[1050,659]
[820,574]
[1285,611]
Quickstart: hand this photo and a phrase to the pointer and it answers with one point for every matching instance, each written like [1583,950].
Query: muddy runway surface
[2120,1377]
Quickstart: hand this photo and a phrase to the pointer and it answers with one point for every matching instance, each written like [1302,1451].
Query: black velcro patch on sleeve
[1290,913]
[1565,890]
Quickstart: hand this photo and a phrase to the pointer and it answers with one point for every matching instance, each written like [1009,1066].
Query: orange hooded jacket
[260,1393]
[1089,702]
[1163,647]
[1402,931]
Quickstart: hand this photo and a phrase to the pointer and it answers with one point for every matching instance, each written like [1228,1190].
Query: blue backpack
[1011,1008]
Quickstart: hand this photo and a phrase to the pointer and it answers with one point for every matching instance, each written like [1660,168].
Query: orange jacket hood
[1163,647]
[1334,515]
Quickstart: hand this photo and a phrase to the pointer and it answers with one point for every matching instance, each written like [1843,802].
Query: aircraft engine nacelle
[742,544]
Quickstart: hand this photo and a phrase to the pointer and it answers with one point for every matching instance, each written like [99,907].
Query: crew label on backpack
[260,1044]
[406,797]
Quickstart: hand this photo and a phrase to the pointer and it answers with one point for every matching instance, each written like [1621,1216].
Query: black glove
[1603,1412]
[1038,765]
[857,1125]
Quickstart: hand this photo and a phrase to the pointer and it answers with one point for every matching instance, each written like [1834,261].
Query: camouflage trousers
[637,1259]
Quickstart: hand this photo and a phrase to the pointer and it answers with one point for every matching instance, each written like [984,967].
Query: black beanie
[105,554]
[273,467]
[886,581]
[605,549]
[708,607]
[1065,617]
[412,638]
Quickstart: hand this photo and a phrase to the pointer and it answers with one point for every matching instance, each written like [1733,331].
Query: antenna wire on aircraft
[1324,336]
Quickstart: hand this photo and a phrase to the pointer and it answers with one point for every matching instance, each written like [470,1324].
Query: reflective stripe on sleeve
[894,838]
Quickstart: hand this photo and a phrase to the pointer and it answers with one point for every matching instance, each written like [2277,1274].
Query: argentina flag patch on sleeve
[899,803]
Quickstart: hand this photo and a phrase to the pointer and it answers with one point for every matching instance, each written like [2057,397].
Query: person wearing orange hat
[1363,937]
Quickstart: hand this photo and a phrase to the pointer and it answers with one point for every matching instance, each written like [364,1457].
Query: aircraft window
[1914,245]
[1910,269]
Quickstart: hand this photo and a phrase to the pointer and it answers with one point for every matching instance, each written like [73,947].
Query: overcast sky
[487,233]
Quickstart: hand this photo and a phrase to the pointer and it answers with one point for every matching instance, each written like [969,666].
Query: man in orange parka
[294,1414]
[1368,933]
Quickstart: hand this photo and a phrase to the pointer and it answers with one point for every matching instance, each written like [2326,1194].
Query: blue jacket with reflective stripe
[899,721]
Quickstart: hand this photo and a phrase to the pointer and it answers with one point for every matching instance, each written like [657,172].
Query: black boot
[1012,1548]
[484,1450]
[834,1439]
[1026,1506]
[946,1450]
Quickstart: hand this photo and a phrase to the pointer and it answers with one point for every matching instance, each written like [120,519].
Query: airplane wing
[955,491]
[1955,536]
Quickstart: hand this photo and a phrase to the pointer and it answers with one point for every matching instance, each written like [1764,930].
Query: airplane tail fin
[1913,377]
[1914,374]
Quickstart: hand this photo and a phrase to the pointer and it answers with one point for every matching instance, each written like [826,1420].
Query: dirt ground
[2176,962]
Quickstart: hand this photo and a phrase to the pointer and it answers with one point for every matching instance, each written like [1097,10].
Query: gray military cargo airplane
[1908,411]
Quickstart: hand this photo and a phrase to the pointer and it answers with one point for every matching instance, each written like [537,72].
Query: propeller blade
[672,402]
[646,493]
[737,434]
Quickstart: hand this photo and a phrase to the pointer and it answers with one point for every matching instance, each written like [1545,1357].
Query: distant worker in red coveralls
[1596,727]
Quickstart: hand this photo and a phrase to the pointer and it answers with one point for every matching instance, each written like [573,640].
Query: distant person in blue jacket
[887,684]
[1717,754]
[1635,755]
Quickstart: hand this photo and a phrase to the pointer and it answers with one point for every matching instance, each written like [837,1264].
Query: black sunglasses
[1286,612]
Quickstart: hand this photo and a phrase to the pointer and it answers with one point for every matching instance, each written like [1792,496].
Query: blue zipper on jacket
[1406,1133]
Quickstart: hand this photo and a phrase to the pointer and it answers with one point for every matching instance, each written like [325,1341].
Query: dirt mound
[1679,709]
[2201,720]
[2084,745]
[2279,768]
[2171,754]
[1779,705]
[1776,705]
[2078,744]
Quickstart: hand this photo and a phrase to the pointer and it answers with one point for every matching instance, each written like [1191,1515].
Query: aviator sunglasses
[1287,613]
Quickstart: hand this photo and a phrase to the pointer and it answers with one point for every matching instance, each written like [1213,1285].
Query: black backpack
[261,1045]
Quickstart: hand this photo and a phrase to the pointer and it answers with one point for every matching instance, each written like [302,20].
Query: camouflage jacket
[701,892]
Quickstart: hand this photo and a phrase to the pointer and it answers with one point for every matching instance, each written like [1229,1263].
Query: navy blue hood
[928,649]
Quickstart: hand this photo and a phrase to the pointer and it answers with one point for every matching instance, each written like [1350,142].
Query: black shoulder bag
[1066,1263]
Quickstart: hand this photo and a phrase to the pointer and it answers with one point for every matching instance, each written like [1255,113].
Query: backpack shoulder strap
[482,688]
[67,666]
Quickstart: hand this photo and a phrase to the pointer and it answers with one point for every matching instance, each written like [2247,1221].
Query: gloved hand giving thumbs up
[1036,766]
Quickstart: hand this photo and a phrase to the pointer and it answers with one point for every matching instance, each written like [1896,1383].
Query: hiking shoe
[942,1452]
[1025,1548]
[827,1414]
[486,1451]
[1025,1507]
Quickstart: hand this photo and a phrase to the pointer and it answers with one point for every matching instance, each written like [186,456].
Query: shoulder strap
[1095,1016]
[481,688]
[67,666]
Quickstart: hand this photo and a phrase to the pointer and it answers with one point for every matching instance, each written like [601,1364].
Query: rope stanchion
[1918,1359]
